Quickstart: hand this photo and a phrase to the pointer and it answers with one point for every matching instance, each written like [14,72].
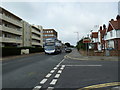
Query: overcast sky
[65,17]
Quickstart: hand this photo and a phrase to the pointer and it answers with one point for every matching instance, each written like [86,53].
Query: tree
[80,45]
[67,44]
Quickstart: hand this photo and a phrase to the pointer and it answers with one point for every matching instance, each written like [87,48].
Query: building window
[0,22]
[5,35]
[6,25]
[0,34]
[111,35]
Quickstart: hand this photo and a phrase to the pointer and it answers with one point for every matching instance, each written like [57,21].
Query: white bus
[52,46]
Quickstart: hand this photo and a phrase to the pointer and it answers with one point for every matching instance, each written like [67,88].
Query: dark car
[68,50]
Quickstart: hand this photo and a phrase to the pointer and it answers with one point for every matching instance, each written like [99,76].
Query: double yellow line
[101,86]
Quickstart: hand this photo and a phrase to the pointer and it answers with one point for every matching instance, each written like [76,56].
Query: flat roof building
[49,33]
[36,35]
[26,42]
[10,28]
[18,33]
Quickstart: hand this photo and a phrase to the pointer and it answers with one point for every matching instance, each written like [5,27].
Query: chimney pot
[118,17]
[112,19]
[100,27]
[104,26]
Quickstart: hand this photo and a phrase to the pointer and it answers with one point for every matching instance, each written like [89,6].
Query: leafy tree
[67,44]
[80,45]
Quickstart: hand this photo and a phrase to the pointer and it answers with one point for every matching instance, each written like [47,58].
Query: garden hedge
[10,51]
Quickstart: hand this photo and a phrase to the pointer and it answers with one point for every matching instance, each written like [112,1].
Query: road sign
[86,40]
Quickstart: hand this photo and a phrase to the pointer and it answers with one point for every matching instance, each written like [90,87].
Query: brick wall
[115,53]
[118,44]
[96,53]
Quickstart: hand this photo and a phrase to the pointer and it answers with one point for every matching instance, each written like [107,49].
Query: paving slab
[75,55]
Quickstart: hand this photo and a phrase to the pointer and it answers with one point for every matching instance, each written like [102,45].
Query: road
[56,71]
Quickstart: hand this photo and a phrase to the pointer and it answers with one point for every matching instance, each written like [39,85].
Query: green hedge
[10,51]
[33,50]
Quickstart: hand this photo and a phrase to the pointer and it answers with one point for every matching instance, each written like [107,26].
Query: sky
[66,18]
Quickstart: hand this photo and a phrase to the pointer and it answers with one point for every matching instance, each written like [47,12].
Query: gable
[110,28]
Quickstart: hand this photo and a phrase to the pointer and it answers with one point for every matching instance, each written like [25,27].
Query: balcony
[9,40]
[10,20]
[35,37]
[36,32]
[112,35]
[10,30]
[35,43]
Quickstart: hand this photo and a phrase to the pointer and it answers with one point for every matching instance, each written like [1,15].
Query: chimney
[100,27]
[104,26]
[112,19]
[118,17]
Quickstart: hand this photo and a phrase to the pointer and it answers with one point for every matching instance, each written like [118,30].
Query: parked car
[68,50]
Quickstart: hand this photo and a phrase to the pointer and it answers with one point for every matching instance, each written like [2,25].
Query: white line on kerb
[50,88]
[48,75]
[37,87]
[85,65]
[43,81]
[60,71]
[53,82]
[52,71]
[57,75]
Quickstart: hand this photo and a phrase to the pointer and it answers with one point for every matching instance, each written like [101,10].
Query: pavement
[73,55]
[77,56]
[19,56]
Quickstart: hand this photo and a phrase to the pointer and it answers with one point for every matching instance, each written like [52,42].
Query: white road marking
[55,68]
[57,75]
[52,71]
[37,87]
[60,71]
[85,65]
[63,66]
[48,75]
[53,82]
[57,65]
[61,61]
[50,88]
[43,81]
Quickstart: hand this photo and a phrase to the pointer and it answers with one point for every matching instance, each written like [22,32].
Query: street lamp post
[77,35]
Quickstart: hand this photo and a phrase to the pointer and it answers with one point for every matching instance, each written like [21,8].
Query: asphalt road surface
[55,71]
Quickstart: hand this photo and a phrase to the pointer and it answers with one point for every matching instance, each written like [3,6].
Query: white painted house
[112,36]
